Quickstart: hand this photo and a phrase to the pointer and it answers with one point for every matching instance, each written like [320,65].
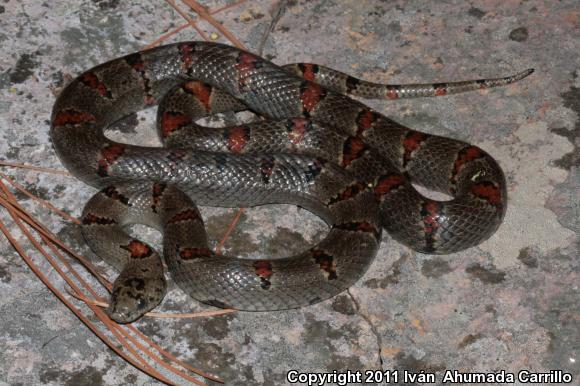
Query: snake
[312,144]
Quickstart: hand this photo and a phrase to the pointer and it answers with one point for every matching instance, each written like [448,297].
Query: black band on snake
[317,148]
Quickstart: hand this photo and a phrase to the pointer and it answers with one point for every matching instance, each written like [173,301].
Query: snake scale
[316,147]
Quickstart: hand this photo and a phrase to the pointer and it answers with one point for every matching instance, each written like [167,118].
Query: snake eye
[141,303]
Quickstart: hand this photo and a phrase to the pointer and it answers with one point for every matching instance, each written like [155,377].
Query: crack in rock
[371,325]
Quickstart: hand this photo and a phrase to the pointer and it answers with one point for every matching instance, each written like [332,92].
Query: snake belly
[318,148]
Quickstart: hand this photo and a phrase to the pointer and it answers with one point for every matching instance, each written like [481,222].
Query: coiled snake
[318,148]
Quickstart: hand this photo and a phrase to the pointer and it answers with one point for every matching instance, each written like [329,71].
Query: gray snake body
[318,149]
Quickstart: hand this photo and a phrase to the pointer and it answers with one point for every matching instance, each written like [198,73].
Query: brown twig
[184,26]
[36,168]
[277,13]
[125,335]
[143,366]
[119,334]
[7,203]
[45,203]
[202,12]
[200,314]
[191,22]
[231,227]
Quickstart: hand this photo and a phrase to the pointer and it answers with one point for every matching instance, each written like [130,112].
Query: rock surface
[512,303]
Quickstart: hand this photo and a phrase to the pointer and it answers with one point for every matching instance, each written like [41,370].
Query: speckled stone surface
[512,303]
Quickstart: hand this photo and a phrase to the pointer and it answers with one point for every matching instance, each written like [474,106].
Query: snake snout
[122,315]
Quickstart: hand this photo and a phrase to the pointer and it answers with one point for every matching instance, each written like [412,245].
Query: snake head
[133,297]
